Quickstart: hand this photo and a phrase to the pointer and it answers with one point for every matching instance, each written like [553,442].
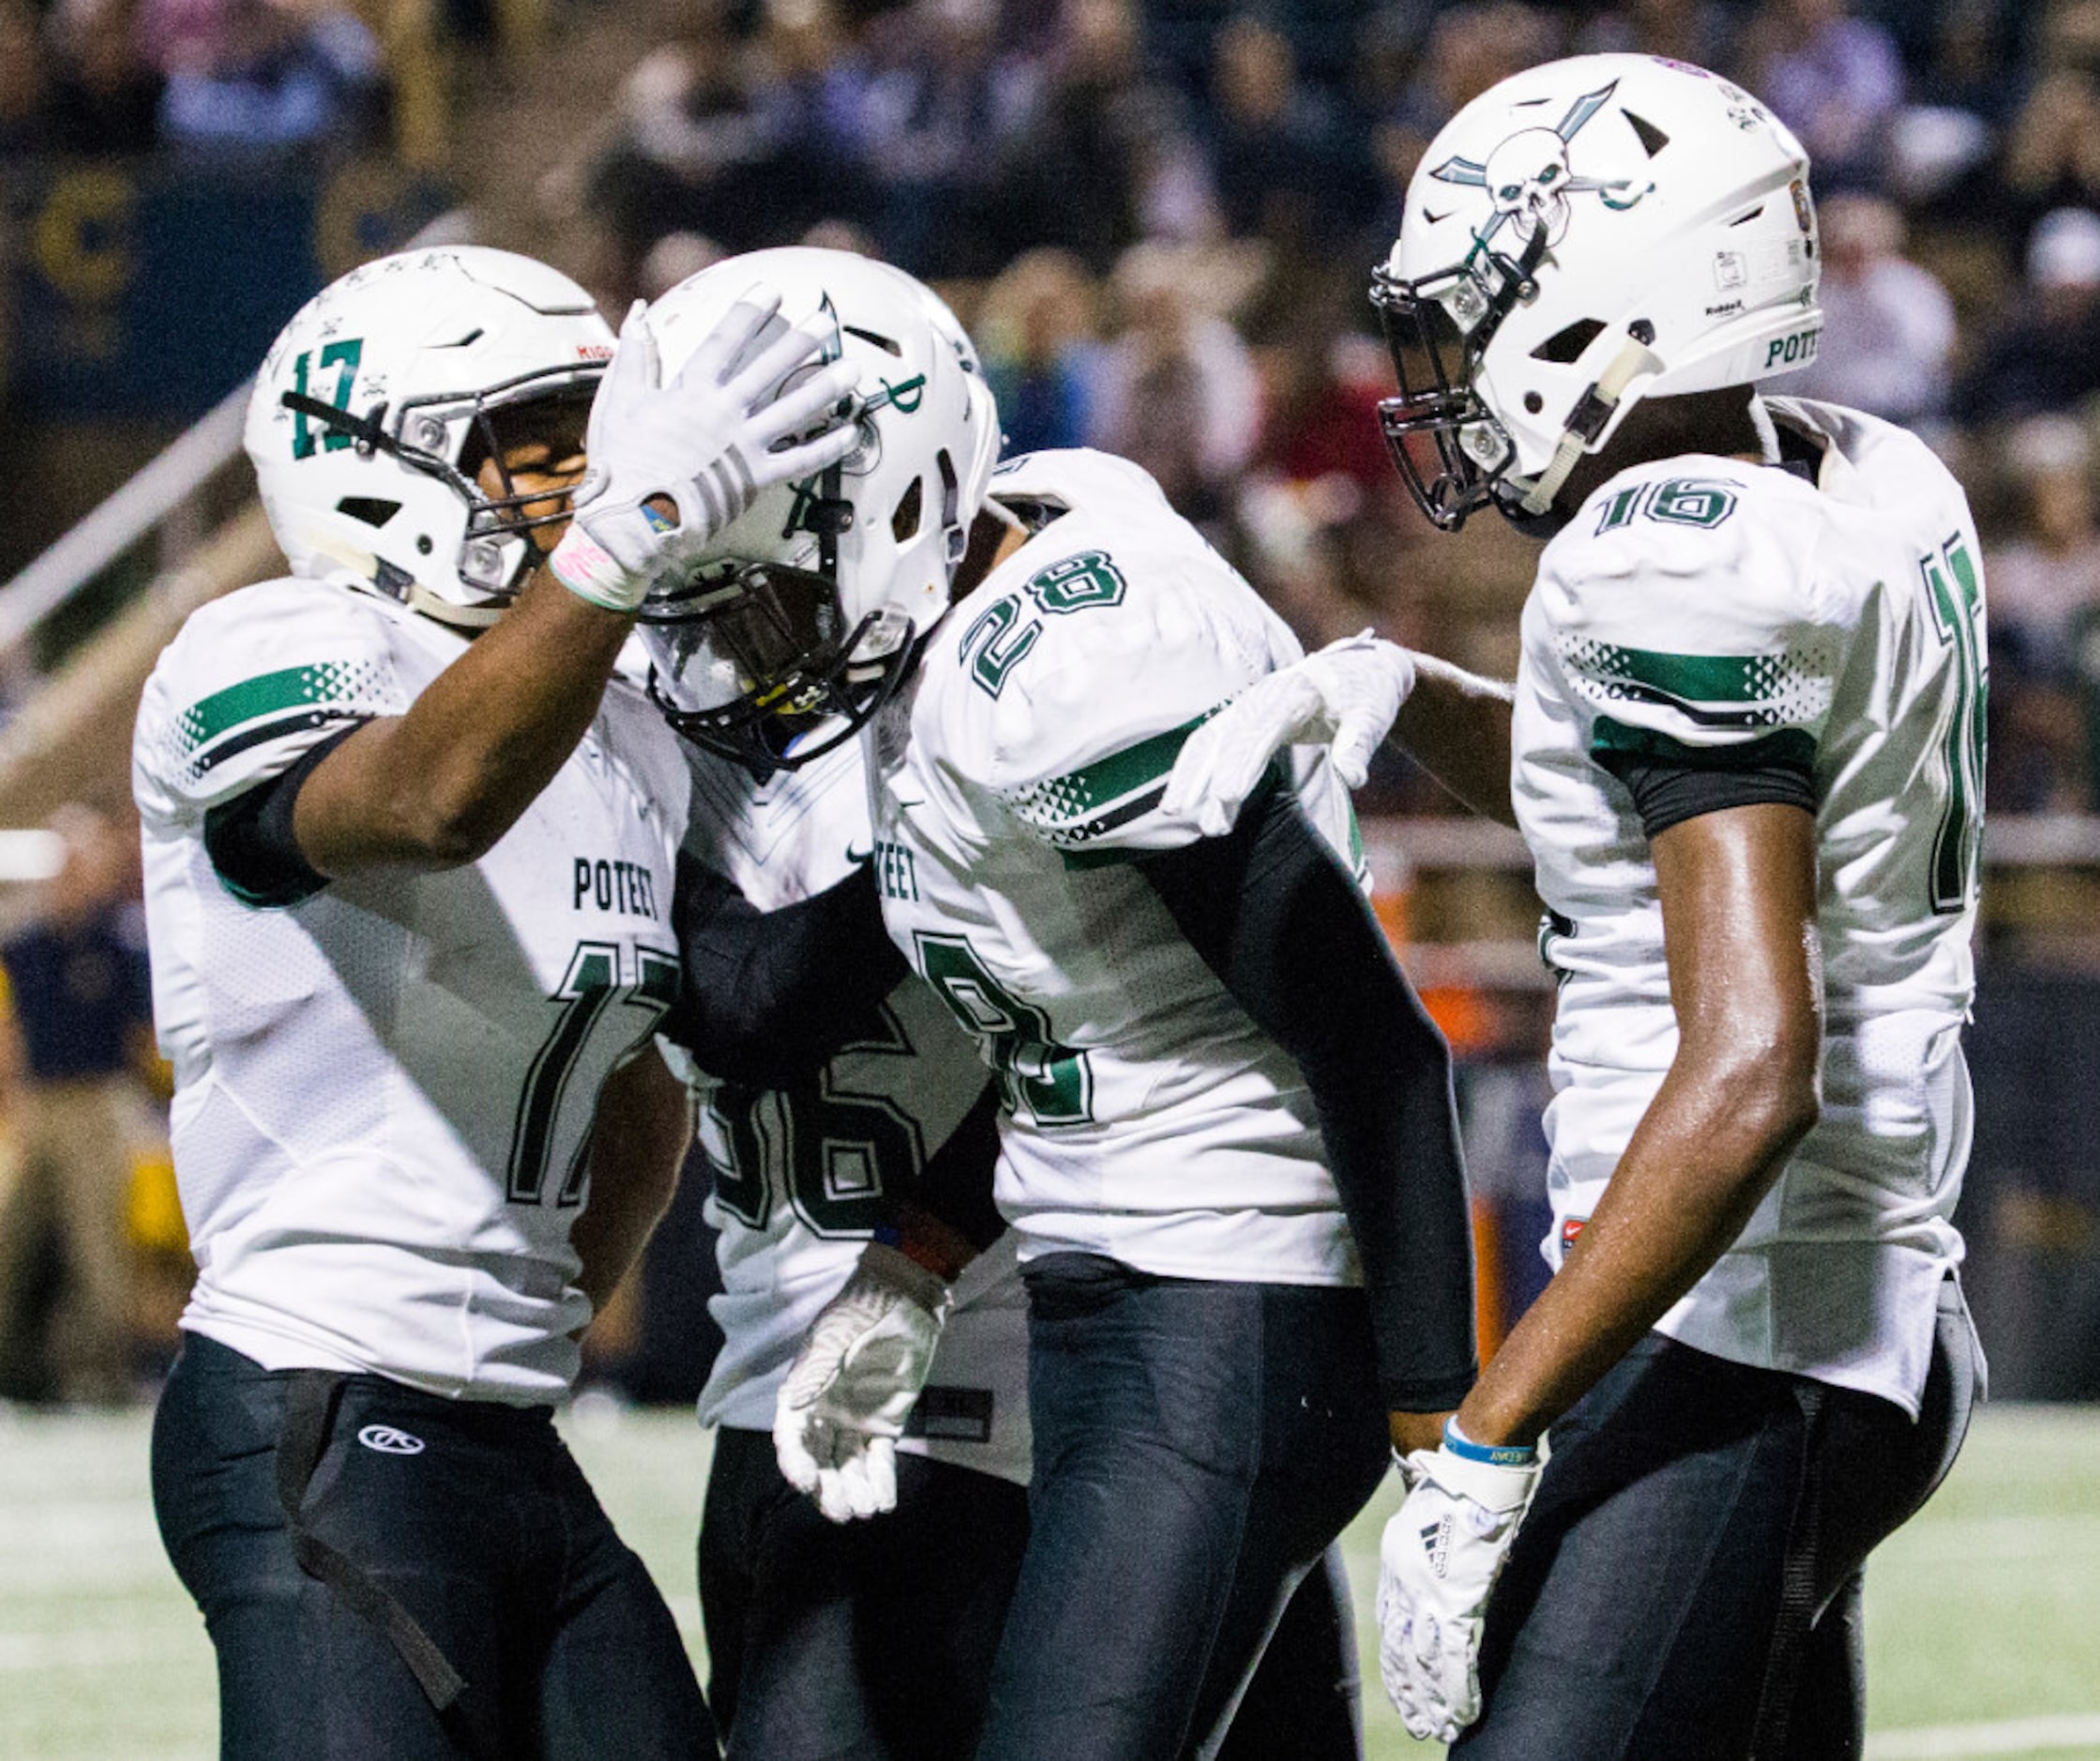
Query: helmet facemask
[1451,452]
[449,437]
[759,661]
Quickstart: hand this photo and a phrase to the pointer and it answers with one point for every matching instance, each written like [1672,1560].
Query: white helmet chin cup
[1584,234]
[810,604]
[375,398]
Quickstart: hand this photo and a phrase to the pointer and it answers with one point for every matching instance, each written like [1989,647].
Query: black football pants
[1687,1585]
[466,1518]
[1198,1446]
[873,1641]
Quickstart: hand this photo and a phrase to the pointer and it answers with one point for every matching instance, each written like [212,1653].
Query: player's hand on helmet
[1347,696]
[861,1365]
[1437,1566]
[670,466]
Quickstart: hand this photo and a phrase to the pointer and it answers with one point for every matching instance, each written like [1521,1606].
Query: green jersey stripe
[1119,773]
[1695,678]
[335,685]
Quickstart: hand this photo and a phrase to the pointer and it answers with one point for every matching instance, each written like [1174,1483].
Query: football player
[1747,736]
[852,1107]
[409,867]
[834,1095]
[1205,1053]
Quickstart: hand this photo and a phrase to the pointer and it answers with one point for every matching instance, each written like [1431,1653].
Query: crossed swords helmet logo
[1529,180]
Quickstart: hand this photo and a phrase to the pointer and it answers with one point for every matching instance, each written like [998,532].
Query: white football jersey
[384,1093]
[1148,1119]
[801,1174]
[1705,606]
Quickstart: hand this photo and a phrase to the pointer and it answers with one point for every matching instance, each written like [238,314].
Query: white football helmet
[377,404]
[806,612]
[1586,233]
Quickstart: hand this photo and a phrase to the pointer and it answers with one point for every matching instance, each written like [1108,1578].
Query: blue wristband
[1499,1454]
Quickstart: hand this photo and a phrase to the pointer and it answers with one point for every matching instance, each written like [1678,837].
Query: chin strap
[1587,420]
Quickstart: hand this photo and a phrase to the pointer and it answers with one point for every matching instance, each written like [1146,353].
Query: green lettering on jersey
[1051,1084]
[1956,595]
[1680,501]
[834,1153]
[1002,636]
[589,987]
[992,647]
[1688,502]
[1078,582]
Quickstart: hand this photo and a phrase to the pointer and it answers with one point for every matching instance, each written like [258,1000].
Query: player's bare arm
[1738,890]
[669,466]
[637,1147]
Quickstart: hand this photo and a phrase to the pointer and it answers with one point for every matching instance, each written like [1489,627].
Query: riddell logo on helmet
[1795,349]
[594,351]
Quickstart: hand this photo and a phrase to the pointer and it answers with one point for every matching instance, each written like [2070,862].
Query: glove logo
[386,1441]
[1436,1542]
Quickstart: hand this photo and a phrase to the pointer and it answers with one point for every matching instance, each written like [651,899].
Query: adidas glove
[861,1365]
[1346,695]
[1437,1565]
[707,444]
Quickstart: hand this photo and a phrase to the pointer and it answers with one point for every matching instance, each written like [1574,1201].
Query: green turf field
[1983,1614]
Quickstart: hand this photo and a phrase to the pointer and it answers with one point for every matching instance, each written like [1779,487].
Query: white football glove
[1346,695]
[1437,1565]
[709,443]
[862,1364]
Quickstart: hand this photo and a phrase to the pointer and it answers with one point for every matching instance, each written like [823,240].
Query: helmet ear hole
[904,521]
[1564,347]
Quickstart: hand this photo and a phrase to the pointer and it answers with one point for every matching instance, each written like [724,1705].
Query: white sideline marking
[2010,1736]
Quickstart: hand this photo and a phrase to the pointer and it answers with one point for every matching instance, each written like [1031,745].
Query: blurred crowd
[99,79]
[1160,216]
[94,1261]
[1159,220]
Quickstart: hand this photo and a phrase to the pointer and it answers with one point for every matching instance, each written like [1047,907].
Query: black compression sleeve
[1667,790]
[249,838]
[1289,934]
[768,996]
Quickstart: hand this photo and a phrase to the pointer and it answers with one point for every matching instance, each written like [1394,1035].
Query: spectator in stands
[276,74]
[1276,144]
[22,80]
[2044,352]
[1888,324]
[2052,151]
[2044,625]
[1036,329]
[77,976]
[932,121]
[1835,78]
[2043,581]
[104,95]
[1099,154]
[1177,391]
[1471,48]
[1696,31]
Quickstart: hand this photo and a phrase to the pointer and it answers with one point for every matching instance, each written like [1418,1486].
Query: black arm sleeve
[1667,789]
[1289,934]
[768,996]
[249,838]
